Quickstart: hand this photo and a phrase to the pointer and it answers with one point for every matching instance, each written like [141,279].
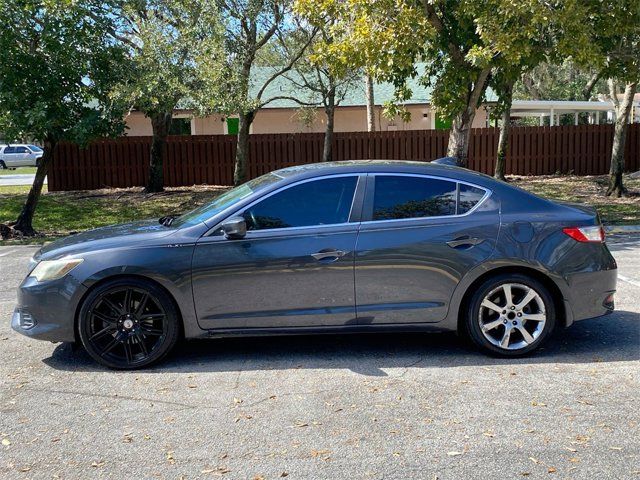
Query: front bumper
[46,311]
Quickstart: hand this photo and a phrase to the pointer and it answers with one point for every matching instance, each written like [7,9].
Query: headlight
[54,269]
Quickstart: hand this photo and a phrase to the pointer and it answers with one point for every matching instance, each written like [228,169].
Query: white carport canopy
[553,108]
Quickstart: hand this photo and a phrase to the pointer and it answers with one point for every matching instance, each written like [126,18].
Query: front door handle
[329,253]
[465,241]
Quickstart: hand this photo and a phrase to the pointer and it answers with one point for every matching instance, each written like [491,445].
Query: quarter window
[399,197]
[469,198]
[319,202]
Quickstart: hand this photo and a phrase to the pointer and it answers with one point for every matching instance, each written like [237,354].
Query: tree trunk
[371,109]
[623,109]
[160,125]
[505,128]
[24,224]
[242,148]
[461,126]
[330,110]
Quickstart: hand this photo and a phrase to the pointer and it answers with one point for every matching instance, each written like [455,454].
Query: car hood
[114,236]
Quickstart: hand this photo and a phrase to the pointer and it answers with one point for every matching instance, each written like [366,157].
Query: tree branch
[286,68]
[294,99]
[588,88]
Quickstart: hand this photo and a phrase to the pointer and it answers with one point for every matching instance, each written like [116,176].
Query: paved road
[386,406]
[18,179]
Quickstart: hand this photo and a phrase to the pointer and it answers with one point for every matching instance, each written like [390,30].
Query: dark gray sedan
[336,247]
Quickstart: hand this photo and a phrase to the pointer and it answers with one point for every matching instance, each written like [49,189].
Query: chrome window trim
[285,187]
[487,193]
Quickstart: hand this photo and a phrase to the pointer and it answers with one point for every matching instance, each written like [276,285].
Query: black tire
[538,332]
[128,323]
[3,166]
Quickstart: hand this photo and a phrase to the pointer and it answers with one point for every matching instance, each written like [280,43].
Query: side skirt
[329,330]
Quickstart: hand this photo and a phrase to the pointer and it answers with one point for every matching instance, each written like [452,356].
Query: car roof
[384,166]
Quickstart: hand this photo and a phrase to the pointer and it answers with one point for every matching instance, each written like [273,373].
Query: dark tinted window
[180,126]
[10,150]
[22,150]
[320,202]
[413,197]
[469,198]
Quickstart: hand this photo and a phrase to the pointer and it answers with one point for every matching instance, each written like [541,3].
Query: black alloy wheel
[128,324]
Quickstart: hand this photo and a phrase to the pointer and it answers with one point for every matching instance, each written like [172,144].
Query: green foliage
[171,45]
[564,80]
[58,69]
[458,40]
[254,34]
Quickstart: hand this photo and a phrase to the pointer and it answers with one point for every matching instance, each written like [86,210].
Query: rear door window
[398,197]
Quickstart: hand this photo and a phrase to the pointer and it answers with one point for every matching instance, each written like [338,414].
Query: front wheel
[3,166]
[128,323]
[510,315]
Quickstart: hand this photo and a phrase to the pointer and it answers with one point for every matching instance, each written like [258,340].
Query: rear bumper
[590,294]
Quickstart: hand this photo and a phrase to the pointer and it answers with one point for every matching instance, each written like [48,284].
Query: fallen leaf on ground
[454,454]
[6,442]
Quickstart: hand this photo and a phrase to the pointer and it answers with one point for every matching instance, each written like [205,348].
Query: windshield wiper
[167,220]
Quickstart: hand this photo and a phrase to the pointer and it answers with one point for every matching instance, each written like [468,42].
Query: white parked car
[19,155]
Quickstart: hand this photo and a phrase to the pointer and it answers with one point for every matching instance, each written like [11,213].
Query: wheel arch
[563,311]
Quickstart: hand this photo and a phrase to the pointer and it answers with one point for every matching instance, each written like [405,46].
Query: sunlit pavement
[367,406]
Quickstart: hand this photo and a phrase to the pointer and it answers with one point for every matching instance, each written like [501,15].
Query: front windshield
[224,201]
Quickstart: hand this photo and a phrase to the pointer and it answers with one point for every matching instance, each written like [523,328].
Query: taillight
[586,234]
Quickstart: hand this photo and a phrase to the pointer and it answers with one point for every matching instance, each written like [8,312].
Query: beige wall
[288,120]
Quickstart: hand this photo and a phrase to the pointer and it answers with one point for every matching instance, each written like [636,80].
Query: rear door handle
[329,253]
[465,241]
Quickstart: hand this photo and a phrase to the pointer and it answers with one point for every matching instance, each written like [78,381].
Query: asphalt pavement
[329,407]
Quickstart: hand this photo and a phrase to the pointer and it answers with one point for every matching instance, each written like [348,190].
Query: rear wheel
[128,324]
[510,315]
[3,166]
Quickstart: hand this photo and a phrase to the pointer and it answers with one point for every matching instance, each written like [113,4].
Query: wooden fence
[208,159]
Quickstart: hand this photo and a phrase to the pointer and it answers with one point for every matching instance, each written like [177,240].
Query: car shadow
[613,338]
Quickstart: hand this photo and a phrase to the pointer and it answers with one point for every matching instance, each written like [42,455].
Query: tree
[459,40]
[255,31]
[561,79]
[168,41]
[316,83]
[622,111]
[58,69]
[371,103]
[609,40]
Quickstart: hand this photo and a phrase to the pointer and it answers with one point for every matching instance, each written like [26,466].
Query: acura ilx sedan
[357,246]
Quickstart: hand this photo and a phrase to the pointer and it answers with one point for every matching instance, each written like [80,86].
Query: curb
[612,229]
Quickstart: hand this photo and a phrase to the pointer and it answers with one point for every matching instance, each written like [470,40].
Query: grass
[18,171]
[589,190]
[63,213]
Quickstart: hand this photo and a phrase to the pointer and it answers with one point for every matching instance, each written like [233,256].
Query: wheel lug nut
[505,322]
[513,308]
[515,323]
[519,314]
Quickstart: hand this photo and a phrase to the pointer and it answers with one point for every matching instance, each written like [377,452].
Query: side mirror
[234,228]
